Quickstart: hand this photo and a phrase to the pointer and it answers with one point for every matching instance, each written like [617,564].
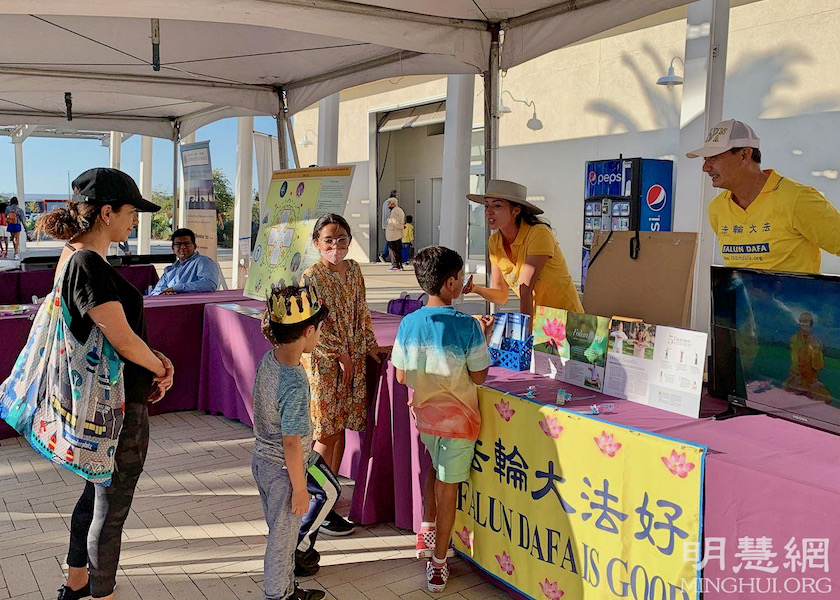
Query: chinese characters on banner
[559,504]
[198,194]
[296,198]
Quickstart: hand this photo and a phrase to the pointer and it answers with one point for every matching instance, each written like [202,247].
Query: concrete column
[244,197]
[707,35]
[182,199]
[21,192]
[328,131]
[460,92]
[116,149]
[144,227]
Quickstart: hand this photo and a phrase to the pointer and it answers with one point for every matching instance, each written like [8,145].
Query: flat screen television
[776,344]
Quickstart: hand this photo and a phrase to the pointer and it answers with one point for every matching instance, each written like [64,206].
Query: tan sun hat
[725,136]
[506,190]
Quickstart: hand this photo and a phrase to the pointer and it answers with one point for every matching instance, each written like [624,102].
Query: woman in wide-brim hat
[524,254]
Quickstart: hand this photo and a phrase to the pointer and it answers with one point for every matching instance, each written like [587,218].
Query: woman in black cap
[104,210]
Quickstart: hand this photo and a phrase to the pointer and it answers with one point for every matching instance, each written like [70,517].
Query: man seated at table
[192,272]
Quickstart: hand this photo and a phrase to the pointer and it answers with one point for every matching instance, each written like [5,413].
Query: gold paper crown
[288,308]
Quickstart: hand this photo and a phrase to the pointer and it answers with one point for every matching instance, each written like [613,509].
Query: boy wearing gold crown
[296,487]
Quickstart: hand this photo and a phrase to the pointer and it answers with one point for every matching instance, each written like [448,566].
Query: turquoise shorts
[451,457]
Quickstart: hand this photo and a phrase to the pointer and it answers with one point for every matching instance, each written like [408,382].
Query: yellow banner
[563,505]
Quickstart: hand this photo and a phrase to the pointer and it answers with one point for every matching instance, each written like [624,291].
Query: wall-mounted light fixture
[671,79]
[534,124]
[306,142]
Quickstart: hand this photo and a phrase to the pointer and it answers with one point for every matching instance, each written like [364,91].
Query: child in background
[336,366]
[284,466]
[442,355]
[4,240]
[408,239]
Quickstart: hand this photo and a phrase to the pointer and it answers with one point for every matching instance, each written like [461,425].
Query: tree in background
[224,205]
[162,219]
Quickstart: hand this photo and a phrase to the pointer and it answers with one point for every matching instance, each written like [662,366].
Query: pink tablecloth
[19,286]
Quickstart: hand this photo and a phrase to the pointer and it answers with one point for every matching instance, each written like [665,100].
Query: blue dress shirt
[196,274]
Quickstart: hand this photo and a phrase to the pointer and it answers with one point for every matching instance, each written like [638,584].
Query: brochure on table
[654,365]
[296,198]
[570,347]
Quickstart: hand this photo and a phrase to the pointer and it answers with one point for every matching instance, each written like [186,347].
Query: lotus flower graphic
[466,537]
[555,330]
[677,464]
[551,426]
[504,410]
[551,591]
[504,563]
[607,444]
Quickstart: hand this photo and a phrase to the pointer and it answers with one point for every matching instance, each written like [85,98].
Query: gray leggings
[97,522]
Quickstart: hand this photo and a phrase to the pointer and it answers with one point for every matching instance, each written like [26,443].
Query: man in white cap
[763,220]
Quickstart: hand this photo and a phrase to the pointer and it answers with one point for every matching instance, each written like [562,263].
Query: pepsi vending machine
[626,194]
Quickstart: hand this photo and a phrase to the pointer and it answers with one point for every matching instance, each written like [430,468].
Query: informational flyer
[296,198]
[656,365]
[199,196]
[570,347]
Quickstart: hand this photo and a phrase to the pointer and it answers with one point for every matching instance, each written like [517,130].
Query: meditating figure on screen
[806,361]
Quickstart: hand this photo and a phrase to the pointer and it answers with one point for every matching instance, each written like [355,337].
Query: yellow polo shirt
[782,230]
[554,286]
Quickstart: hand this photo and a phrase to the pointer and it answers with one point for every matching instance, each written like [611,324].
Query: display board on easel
[655,286]
[296,198]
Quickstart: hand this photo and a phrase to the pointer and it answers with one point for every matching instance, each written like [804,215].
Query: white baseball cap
[725,136]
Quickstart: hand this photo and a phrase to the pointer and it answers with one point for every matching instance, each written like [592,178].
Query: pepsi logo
[656,198]
[591,176]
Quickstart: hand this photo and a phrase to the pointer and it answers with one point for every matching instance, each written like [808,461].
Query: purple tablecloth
[765,477]
[19,286]
[386,467]
[175,326]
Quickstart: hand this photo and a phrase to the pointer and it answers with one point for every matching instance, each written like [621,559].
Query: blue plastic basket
[514,354]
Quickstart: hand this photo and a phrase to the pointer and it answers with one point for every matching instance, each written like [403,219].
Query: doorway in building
[434,222]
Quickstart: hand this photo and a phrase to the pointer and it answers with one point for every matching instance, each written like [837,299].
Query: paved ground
[196,528]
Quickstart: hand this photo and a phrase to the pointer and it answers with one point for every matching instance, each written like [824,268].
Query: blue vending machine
[626,194]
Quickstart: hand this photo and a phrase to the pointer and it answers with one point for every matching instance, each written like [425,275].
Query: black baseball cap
[103,186]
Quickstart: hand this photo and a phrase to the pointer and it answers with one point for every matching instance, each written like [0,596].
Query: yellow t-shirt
[554,286]
[782,230]
[408,233]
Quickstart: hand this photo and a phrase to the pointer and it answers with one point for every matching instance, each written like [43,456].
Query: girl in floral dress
[336,367]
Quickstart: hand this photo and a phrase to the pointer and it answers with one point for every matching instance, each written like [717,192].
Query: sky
[48,163]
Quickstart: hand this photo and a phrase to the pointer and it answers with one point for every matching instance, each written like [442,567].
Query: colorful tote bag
[67,397]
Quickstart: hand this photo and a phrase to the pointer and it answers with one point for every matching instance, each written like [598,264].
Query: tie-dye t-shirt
[437,347]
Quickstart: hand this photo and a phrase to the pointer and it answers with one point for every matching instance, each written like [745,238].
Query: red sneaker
[436,576]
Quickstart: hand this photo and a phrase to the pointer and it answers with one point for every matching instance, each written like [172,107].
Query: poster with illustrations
[656,365]
[296,198]
[570,346]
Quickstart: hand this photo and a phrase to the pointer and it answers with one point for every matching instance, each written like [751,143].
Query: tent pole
[290,129]
[281,140]
[175,139]
[491,136]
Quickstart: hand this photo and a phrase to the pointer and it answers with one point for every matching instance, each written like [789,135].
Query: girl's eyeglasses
[341,242]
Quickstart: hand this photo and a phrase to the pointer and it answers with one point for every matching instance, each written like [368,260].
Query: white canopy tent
[221,58]
[224,58]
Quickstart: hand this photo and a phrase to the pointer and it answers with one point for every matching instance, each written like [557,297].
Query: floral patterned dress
[348,328]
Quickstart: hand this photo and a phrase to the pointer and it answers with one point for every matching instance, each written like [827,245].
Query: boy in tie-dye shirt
[442,355]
